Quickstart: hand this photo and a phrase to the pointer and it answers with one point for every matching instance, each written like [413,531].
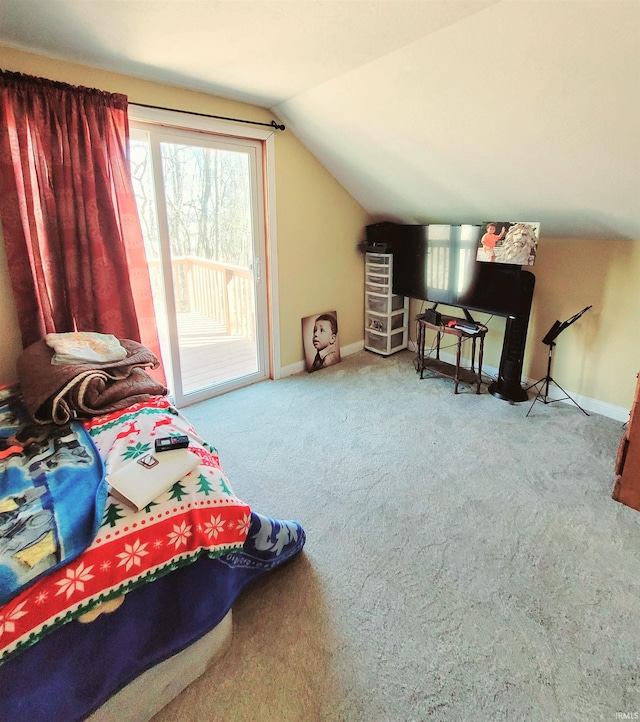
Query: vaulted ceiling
[449,111]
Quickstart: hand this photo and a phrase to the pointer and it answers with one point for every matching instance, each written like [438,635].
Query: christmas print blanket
[198,515]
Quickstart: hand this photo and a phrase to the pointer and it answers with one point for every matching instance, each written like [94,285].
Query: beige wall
[318,223]
[599,356]
[319,268]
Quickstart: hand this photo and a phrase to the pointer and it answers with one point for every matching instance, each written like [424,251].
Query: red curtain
[69,218]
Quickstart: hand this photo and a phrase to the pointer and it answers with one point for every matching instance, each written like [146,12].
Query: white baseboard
[299,366]
[618,413]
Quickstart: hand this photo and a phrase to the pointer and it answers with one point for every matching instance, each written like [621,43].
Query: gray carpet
[463,561]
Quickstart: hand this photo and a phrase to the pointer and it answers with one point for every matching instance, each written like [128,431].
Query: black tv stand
[467,315]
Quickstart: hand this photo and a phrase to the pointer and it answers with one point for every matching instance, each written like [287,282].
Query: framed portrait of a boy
[320,339]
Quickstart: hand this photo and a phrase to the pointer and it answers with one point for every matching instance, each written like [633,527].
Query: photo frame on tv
[512,242]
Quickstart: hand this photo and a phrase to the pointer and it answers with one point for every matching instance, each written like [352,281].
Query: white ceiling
[425,110]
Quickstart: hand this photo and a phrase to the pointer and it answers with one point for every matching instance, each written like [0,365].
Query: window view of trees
[208,201]
[195,195]
[140,160]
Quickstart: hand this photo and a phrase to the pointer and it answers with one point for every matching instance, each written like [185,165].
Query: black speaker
[432,316]
[384,232]
[382,237]
[508,386]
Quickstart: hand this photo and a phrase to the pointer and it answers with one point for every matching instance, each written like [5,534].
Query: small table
[445,369]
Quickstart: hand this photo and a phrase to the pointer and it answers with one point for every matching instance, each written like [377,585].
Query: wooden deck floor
[209,356]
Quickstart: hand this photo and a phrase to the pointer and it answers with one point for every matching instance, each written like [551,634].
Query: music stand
[552,334]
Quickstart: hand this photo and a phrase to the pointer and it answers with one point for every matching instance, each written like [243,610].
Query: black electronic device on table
[169,443]
[467,326]
[432,316]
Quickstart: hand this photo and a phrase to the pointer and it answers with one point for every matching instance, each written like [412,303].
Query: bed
[107,612]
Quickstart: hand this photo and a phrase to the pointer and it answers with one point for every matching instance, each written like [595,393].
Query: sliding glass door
[201,203]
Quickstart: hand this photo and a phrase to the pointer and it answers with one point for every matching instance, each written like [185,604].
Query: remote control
[169,443]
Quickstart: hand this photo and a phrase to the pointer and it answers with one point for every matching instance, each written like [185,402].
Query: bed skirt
[141,699]
[72,672]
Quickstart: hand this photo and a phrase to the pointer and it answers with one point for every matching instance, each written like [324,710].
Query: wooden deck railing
[220,291]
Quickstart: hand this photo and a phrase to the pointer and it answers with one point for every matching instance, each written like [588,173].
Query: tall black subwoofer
[508,386]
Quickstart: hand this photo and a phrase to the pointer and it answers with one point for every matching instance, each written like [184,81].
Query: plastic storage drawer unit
[386,313]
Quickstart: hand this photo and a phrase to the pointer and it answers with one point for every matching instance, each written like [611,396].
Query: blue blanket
[52,495]
[74,670]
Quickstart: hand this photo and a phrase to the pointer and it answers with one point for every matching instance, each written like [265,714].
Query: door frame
[186,121]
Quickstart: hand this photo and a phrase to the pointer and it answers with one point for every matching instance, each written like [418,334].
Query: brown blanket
[68,391]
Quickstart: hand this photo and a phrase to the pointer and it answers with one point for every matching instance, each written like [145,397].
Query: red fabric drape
[69,218]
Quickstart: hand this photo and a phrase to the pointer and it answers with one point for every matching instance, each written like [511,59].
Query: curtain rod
[272,124]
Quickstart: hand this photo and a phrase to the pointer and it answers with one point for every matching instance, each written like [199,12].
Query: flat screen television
[437,263]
